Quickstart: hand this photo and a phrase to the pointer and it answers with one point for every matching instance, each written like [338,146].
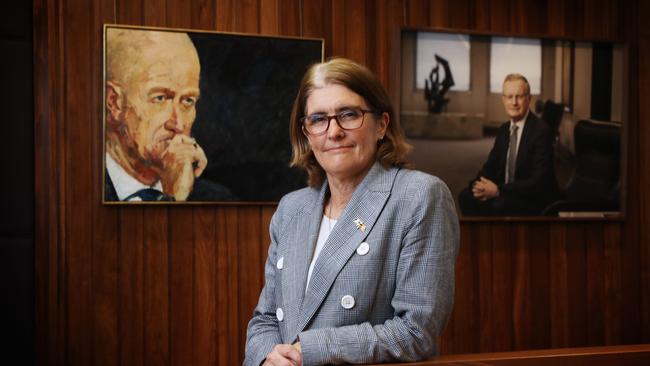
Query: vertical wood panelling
[644,157]
[349,29]
[559,295]
[131,313]
[459,14]
[106,260]
[502,286]
[482,15]
[229,314]
[574,18]
[204,298]
[417,13]
[250,254]
[439,13]
[179,13]
[315,16]
[177,285]
[154,13]
[577,284]
[105,271]
[288,18]
[224,15]
[156,286]
[528,17]
[464,320]
[129,12]
[612,302]
[486,305]
[337,25]
[594,281]
[270,22]
[521,295]
[181,281]
[603,15]
[538,238]
[225,269]
[500,15]
[202,14]
[248,16]
[78,74]
[556,19]
[635,241]
[388,18]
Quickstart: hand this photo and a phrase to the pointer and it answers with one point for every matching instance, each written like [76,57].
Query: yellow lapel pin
[360,225]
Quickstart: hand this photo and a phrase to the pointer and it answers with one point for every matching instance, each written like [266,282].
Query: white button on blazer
[363,248]
[347,302]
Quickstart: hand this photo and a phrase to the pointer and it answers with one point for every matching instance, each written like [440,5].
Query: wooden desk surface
[626,355]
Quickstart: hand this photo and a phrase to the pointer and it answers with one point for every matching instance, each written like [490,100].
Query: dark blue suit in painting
[534,185]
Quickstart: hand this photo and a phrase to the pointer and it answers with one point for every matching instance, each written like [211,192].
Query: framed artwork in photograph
[199,117]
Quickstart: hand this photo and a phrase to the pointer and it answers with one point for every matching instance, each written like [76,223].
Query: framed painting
[199,117]
[462,94]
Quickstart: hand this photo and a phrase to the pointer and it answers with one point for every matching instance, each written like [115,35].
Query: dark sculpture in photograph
[435,89]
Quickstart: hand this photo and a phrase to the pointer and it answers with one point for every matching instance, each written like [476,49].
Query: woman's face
[344,154]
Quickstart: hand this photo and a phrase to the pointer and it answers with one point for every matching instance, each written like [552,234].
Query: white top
[125,185]
[326,226]
[520,129]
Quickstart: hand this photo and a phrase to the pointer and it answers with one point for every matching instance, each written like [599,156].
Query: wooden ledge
[625,355]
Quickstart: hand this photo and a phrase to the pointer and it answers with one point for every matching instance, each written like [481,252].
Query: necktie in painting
[150,194]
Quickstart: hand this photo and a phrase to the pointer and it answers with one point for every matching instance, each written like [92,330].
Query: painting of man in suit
[152,89]
[518,177]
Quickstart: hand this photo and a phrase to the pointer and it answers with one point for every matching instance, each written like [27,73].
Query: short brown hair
[391,150]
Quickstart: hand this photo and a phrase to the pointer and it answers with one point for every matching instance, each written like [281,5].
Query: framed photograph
[199,117]
[465,100]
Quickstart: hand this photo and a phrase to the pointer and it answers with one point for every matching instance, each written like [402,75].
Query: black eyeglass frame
[336,117]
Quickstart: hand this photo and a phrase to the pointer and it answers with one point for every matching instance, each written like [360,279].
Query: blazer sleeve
[424,290]
[263,331]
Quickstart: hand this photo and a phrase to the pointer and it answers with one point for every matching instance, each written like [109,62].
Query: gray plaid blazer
[402,288]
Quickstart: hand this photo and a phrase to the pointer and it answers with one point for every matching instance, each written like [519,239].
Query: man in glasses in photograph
[518,178]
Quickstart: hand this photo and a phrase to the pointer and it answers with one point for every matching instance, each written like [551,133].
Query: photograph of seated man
[518,177]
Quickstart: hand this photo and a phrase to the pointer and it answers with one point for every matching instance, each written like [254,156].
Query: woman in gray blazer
[361,263]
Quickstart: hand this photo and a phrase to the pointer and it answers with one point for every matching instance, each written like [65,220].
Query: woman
[361,263]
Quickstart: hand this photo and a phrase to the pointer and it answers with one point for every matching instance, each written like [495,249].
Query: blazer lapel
[295,278]
[364,207]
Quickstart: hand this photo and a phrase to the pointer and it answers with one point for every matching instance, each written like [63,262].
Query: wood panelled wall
[176,285]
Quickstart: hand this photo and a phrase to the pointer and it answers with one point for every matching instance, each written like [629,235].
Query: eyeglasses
[518,97]
[348,119]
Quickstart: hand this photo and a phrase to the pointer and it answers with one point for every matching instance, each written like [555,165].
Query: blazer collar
[361,212]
